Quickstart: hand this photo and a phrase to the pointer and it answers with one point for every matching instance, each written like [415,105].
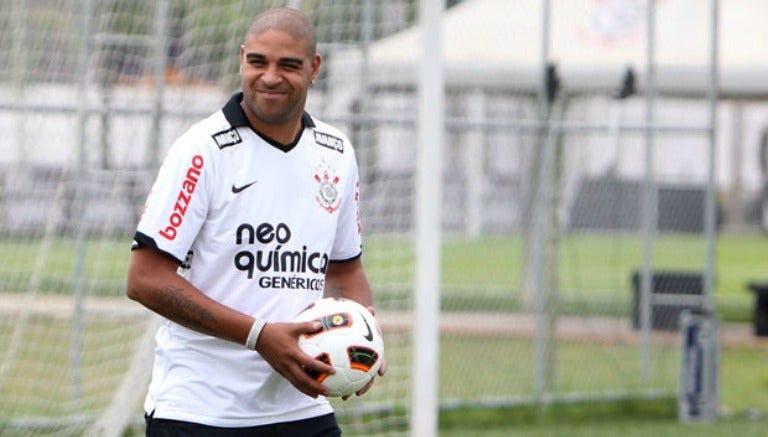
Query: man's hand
[279,346]
[381,372]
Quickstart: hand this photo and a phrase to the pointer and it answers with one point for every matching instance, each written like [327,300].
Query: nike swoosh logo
[369,335]
[242,187]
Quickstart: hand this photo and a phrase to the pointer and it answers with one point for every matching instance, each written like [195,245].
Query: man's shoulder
[214,130]
[322,126]
[330,137]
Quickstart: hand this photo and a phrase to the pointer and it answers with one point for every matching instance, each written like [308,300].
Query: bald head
[288,20]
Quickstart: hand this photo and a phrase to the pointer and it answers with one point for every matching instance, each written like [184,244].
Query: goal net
[96,93]
[542,226]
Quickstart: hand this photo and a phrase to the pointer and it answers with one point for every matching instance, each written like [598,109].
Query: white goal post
[428,234]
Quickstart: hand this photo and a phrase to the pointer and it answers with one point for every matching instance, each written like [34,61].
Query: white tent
[592,42]
[490,45]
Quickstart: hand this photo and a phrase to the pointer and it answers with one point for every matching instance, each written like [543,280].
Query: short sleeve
[348,241]
[177,205]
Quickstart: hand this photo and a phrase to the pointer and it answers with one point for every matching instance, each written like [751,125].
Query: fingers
[383,368]
[315,367]
[365,388]
[309,327]
[300,378]
[362,391]
[279,346]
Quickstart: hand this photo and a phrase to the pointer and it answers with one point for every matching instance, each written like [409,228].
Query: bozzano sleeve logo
[183,199]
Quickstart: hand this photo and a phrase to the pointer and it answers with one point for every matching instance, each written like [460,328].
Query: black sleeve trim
[143,240]
[347,259]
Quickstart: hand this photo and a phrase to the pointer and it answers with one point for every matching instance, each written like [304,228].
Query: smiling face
[277,68]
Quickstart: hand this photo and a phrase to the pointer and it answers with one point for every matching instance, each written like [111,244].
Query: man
[253,216]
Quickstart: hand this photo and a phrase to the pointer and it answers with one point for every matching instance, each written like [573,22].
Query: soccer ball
[350,341]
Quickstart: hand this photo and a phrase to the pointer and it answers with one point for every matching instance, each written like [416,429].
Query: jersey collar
[234,114]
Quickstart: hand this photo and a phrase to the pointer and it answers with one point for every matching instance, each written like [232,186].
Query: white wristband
[253,334]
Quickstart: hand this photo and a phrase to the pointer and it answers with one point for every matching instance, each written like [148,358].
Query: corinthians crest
[328,196]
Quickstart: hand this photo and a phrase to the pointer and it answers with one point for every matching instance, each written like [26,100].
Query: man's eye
[292,66]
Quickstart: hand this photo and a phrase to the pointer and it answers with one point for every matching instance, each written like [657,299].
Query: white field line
[64,306]
[595,329]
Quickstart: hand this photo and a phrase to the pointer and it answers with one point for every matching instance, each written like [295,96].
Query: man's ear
[316,62]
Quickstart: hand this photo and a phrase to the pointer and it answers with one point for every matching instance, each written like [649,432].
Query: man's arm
[347,279]
[153,282]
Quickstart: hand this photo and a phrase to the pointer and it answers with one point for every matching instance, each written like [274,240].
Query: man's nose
[271,75]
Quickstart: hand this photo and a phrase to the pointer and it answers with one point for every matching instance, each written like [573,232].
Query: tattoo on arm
[179,306]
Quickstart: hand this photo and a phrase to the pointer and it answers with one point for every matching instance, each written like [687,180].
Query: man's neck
[283,133]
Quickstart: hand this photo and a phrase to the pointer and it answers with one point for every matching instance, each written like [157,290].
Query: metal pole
[544,103]
[474,160]
[428,189]
[365,142]
[78,206]
[160,63]
[544,241]
[710,207]
[20,58]
[649,206]
[536,245]
[710,218]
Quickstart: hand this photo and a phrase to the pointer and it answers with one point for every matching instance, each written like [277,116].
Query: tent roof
[592,42]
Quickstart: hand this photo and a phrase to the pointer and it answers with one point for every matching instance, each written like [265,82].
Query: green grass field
[479,274]
[591,267]
[744,387]
[626,419]
[485,274]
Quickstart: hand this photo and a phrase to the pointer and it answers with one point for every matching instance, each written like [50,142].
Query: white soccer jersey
[254,227]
